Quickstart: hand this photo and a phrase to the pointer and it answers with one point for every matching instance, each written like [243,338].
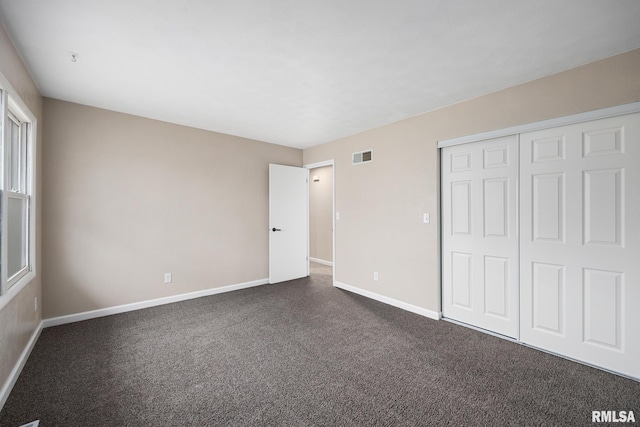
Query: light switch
[337,215]
[425,218]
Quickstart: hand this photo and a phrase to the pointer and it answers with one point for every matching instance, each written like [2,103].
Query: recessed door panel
[496,286]
[461,207]
[460,162]
[547,150]
[602,142]
[461,279]
[496,207]
[496,157]
[604,205]
[603,320]
[548,207]
[548,297]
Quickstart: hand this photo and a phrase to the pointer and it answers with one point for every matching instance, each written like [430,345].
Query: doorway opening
[322,218]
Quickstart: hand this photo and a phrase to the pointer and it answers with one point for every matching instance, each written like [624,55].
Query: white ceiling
[304,72]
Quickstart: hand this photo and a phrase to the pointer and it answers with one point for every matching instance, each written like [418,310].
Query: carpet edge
[108,311]
[17,368]
[394,302]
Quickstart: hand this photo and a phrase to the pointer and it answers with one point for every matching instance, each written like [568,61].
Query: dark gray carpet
[296,354]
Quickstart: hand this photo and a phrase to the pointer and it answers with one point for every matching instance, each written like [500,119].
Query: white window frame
[11,104]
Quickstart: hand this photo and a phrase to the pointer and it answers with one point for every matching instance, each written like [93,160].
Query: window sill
[6,298]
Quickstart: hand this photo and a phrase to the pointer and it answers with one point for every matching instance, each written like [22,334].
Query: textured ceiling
[304,72]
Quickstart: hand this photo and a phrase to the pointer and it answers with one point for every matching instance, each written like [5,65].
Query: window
[16,186]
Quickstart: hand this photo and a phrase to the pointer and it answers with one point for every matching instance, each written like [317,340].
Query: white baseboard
[321,261]
[77,317]
[394,302]
[15,372]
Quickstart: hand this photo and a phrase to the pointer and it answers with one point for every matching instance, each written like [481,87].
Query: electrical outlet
[35,304]
[167,277]
[375,275]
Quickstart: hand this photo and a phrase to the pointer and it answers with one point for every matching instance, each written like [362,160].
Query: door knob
[275,229]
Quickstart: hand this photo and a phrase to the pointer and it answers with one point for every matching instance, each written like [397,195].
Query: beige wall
[321,213]
[381,203]
[127,199]
[18,320]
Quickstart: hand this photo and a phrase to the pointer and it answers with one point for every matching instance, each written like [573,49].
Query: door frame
[603,113]
[331,163]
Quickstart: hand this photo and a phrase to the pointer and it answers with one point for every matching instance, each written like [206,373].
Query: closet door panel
[580,242]
[480,246]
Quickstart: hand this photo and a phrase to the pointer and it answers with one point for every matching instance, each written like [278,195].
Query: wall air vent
[362,157]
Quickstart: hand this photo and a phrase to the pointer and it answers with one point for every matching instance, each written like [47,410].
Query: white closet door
[580,242]
[480,246]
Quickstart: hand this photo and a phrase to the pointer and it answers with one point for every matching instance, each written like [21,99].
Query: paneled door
[480,242]
[580,242]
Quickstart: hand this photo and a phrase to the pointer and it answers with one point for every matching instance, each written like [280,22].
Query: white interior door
[480,241]
[288,223]
[580,242]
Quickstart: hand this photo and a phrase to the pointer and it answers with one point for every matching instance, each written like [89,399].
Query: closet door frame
[618,110]
[518,130]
